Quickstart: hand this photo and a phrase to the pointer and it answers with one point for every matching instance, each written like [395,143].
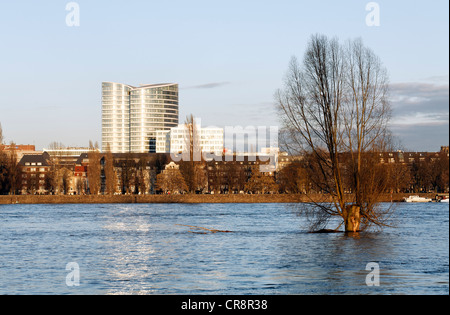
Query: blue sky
[229,57]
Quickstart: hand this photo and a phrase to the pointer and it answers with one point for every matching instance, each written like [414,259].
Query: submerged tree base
[352,218]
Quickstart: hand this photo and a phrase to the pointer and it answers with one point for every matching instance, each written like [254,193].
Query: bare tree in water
[335,112]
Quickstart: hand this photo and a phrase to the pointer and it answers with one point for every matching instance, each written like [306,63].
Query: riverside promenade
[187,198]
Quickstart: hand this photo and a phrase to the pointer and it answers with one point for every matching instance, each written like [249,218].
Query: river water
[146,249]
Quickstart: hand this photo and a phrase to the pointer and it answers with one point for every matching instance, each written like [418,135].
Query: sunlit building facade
[132,115]
[210,140]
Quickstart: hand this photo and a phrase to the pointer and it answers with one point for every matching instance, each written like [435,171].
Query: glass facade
[132,115]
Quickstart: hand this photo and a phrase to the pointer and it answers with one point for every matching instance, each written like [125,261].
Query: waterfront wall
[284,198]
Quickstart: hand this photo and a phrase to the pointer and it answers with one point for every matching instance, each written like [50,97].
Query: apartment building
[34,173]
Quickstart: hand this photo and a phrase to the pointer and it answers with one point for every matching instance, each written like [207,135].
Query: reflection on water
[129,251]
[141,249]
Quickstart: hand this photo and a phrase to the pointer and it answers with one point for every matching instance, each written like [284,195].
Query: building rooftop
[144,86]
[18,147]
[70,151]
[35,160]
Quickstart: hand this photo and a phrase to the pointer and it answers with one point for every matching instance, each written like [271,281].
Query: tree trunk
[352,218]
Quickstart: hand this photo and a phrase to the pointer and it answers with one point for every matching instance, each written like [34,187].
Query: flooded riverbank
[149,249]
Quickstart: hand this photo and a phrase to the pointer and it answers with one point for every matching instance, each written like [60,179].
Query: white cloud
[211,85]
[421,119]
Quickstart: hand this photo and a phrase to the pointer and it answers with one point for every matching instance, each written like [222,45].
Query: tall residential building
[132,115]
[175,140]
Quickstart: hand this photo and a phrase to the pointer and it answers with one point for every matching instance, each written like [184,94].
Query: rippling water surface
[143,249]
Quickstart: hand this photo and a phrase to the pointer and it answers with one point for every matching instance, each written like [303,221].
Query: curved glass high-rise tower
[132,115]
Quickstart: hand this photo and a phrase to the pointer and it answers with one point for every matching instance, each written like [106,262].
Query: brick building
[20,149]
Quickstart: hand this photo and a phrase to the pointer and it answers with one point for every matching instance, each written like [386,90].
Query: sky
[228,57]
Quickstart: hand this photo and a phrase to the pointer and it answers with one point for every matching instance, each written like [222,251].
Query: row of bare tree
[230,178]
[430,175]
[128,174]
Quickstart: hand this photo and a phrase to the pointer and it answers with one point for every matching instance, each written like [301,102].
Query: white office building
[132,115]
[176,140]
